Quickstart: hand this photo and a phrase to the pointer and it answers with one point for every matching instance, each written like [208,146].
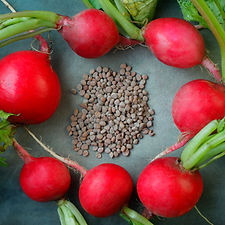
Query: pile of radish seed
[114,114]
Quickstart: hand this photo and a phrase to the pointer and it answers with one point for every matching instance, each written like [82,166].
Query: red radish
[105,189]
[166,189]
[178,43]
[91,33]
[29,86]
[43,179]
[196,104]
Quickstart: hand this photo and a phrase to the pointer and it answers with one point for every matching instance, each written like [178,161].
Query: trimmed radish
[178,43]
[105,189]
[166,189]
[43,179]
[28,84]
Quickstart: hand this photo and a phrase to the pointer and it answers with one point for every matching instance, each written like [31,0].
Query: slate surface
[17,209]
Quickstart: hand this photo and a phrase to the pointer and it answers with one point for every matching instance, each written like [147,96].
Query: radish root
[68,162]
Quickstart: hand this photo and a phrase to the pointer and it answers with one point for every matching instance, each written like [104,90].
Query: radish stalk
[68,162]
[133,31]
[215,27]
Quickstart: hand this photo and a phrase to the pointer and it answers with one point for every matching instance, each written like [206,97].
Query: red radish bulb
[90,33]
[175,42]
[29,87]
[166,189]
[43,179]
[105,189]
[196,104]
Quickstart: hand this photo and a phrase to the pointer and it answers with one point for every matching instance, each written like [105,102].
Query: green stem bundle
[205,147]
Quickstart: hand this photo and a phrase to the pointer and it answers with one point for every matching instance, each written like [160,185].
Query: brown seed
[84,147]
[73,91]
[100,150]
[98,155]
[82,92]
[85,153]
[126,153]
[123,66]
[111,154]
[92,71]
[128,68]
[122,71]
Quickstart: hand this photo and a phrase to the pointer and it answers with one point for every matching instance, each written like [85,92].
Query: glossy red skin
[28,87]
[105,189]
[196,104]
[45,179]
[91,33]
[167,190]
[175,42]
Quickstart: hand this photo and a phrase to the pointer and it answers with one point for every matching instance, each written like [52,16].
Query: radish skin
[42,179]
[90,33]
[166,189]
[27,84]
[105,189]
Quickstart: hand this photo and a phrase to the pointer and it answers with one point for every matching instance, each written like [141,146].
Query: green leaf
[7,131]
[190,13]
[3,162]
[142,11]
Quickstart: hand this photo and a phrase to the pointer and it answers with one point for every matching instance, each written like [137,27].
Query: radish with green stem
[42,179]
[90,33]
[46,179]
[104,189]
[173,41]
[170,187]
[195,104]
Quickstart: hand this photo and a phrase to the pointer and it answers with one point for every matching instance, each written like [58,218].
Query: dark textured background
[17,209]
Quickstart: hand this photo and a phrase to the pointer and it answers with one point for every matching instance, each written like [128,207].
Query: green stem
[69,214]
[133,31]
[135,217]
[21,27]
[213,152]
[43,15]
[61,216]
[203,150]
[24,36]
[214,26]
[12,21]
[198,139]
[212,160]
[87,4]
